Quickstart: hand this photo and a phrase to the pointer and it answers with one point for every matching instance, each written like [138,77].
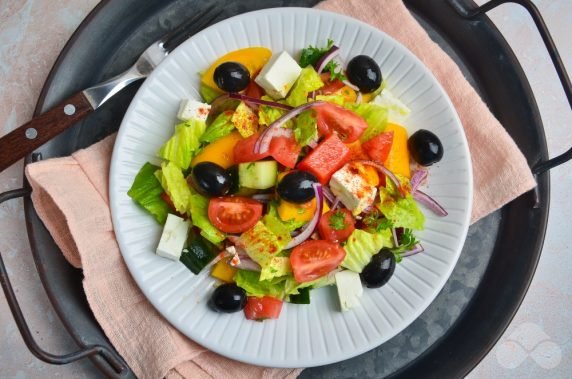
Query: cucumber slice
[258,175]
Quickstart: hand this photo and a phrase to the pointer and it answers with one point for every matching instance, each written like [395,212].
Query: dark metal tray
[489,278]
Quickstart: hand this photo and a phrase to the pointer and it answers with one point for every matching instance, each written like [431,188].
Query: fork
[28,137]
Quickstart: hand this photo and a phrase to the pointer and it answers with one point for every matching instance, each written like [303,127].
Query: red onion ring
[347,83]
[386,172]
[311,226]
[430,203]
[254,100]
[395,239]
[326,58]
[263,197]
[417,179]
[359,97]
[416,250]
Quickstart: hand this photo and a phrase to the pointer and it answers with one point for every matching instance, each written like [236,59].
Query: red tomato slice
[262,308]
[313,259]
[357,152]
[244,150]
[347,124]
[234,214]
[378,147]
[336,225]
[167,199]
[329,86]
[328,157]
[285,150]
[254,90]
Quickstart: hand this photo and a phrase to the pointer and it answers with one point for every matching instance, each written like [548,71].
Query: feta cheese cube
[279,75]
[192,109]
[352,187]
[349,289]
[173,238]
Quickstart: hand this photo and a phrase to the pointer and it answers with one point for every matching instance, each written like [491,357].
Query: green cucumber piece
[258,175]
[198,254]
[303,297]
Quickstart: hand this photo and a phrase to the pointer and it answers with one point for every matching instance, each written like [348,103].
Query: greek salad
[290,175]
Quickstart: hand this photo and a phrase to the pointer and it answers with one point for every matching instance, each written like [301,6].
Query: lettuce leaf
[361,246]
[308,81]
[173,182]
[184,144]
[292,287]
[273,222]
[267,115]
[260,244]
[146,191]
[398,112]
[208,94]
[374,115]
[306,128]
[335,99]
[245,120]
[277,267]
[251,283]
[198,210]
[290,225]
[402,212]
[220,127]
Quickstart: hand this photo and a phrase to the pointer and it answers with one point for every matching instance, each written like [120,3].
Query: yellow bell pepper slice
[398,159]
[299,212]
[223,271]
[220,151]
[253,58]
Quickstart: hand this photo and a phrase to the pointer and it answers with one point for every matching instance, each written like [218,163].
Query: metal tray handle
[474,12]
[114,361]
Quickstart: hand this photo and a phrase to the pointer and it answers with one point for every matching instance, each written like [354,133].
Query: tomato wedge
[262,308]
[234,214]
[329,86]
[378,147]
[330,155]
[167,199]
[244,150]
[336,225]
[313,259]
[253,89]
[285,150]
[347,124]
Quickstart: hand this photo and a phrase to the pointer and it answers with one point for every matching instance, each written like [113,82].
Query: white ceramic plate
[319,333]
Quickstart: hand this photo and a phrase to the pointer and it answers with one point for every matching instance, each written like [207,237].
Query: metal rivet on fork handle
[31,133]
[69,109]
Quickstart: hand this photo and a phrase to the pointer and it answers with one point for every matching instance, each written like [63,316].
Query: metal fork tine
[192,26]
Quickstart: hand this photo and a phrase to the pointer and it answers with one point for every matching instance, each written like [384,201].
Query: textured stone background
[538,342]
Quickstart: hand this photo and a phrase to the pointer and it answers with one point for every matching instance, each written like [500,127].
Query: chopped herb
[337,220]
[374,221]
[311,55]
[250,165]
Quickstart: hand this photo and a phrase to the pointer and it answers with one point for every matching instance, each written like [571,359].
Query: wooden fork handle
[28,137]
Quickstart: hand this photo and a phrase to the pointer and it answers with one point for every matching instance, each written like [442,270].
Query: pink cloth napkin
[70,196]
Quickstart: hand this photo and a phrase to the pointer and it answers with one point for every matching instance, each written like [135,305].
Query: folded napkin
[71,197]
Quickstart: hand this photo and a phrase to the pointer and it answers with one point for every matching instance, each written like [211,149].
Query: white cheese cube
[349,289]
[351,186]
[173,238]
[192,109]
[279,75]
[397,111]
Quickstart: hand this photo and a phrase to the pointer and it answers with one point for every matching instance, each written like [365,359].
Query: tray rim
[543,181]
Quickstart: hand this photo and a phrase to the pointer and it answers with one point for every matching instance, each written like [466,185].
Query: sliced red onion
[347,83]
[359,97]
[254,100]
[313,144]
[263,197]
[336,203]
[326,58]
[395,239]
[311,226]
[263,143]
[247,264]
[386,172]
[328,194]
[417,178]
[430,203]
[416,250]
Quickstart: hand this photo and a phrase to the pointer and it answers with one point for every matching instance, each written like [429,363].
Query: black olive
[231,77]
[210,179]
[296,187]
[363,72]
[378,271]
[425,147]
[228,298]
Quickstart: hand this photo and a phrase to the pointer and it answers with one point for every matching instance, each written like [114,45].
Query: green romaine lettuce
[251,283]
[208,94]
[277,267]
[290,225]
[402,212]
[273,222]
[308,81]
[198,210]
[397,111]
[267,115]
[292,287]
[361,246]
[335,99]
[184,144]
[374,115]
[260,244]
[146,191]
[306,128]
[220,127]
[173,182]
